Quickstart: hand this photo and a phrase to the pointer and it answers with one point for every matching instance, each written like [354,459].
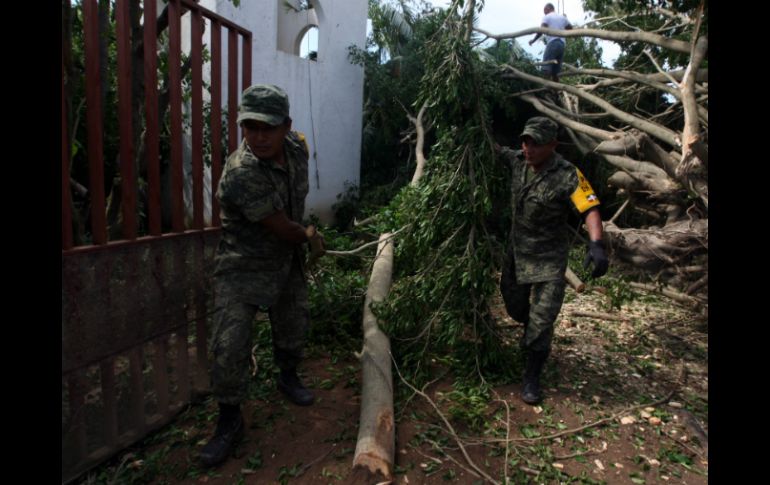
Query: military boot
[531,394]
[228,433]
[289,384]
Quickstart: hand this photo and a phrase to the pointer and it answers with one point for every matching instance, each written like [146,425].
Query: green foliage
[446,256]
[393,68]
[583,52]
[346,207]
[255,461]
[262,385]
[644,15]
[675,455]
[469,404]
[506,51]
[391,26]
[336,294]
[618,289]
[285,473]
[619,293]
[529,431]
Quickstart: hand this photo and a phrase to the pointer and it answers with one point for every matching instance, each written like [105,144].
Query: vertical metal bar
[109,400]
[66,196]
[246,61]
[152,148]
[127,175]
[95,126]
[216,117]
[175,106]
[77,414]
[232,90]
[160,369]
[137,390]
[197,117]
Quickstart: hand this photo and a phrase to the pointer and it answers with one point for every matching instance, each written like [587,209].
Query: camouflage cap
[541,129]
[264,102]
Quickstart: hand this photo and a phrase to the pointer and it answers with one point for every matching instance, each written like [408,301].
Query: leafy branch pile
[447,254]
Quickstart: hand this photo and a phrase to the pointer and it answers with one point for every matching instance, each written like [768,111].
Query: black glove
[598,255]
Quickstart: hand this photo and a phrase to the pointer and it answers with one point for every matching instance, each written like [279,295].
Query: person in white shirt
[554,49]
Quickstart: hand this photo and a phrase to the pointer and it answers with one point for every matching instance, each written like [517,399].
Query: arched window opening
[308,44]
[298,28]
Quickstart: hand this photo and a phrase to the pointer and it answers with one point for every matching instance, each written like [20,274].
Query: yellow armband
[584,197]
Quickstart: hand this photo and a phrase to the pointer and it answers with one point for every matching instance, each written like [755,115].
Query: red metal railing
[95,135]
[129,359]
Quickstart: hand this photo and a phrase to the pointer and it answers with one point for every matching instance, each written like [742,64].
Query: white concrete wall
[325,96]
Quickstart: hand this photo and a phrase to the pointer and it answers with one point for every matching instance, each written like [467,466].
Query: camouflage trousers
[536,305]
[231,342]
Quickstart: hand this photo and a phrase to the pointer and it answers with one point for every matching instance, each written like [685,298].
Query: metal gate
[135,306]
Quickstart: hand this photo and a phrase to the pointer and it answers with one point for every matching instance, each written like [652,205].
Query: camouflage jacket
[252,260]
[540,204]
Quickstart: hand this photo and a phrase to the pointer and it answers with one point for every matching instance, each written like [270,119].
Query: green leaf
[529,432]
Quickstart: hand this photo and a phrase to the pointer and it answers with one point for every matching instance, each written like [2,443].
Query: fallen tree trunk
[652,249]
[375,449]
[376,445]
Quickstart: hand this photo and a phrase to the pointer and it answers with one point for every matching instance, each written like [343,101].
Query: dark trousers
[536,305]
[232,335]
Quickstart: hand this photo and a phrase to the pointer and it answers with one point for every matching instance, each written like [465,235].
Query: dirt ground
[627,399]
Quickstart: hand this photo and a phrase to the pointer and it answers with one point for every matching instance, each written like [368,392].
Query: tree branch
[620,211]
[669,292]
[678,75]
[589,130]
[580,144]
[354,252]
[448,426]
[625,75]
[647,37]
[420,168]
[565,112]
[598,315]
[657,66]
[674,15]
[693,149]
[654,129]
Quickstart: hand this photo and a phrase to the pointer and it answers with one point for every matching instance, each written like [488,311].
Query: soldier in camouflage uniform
[544,189]
[260,259]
